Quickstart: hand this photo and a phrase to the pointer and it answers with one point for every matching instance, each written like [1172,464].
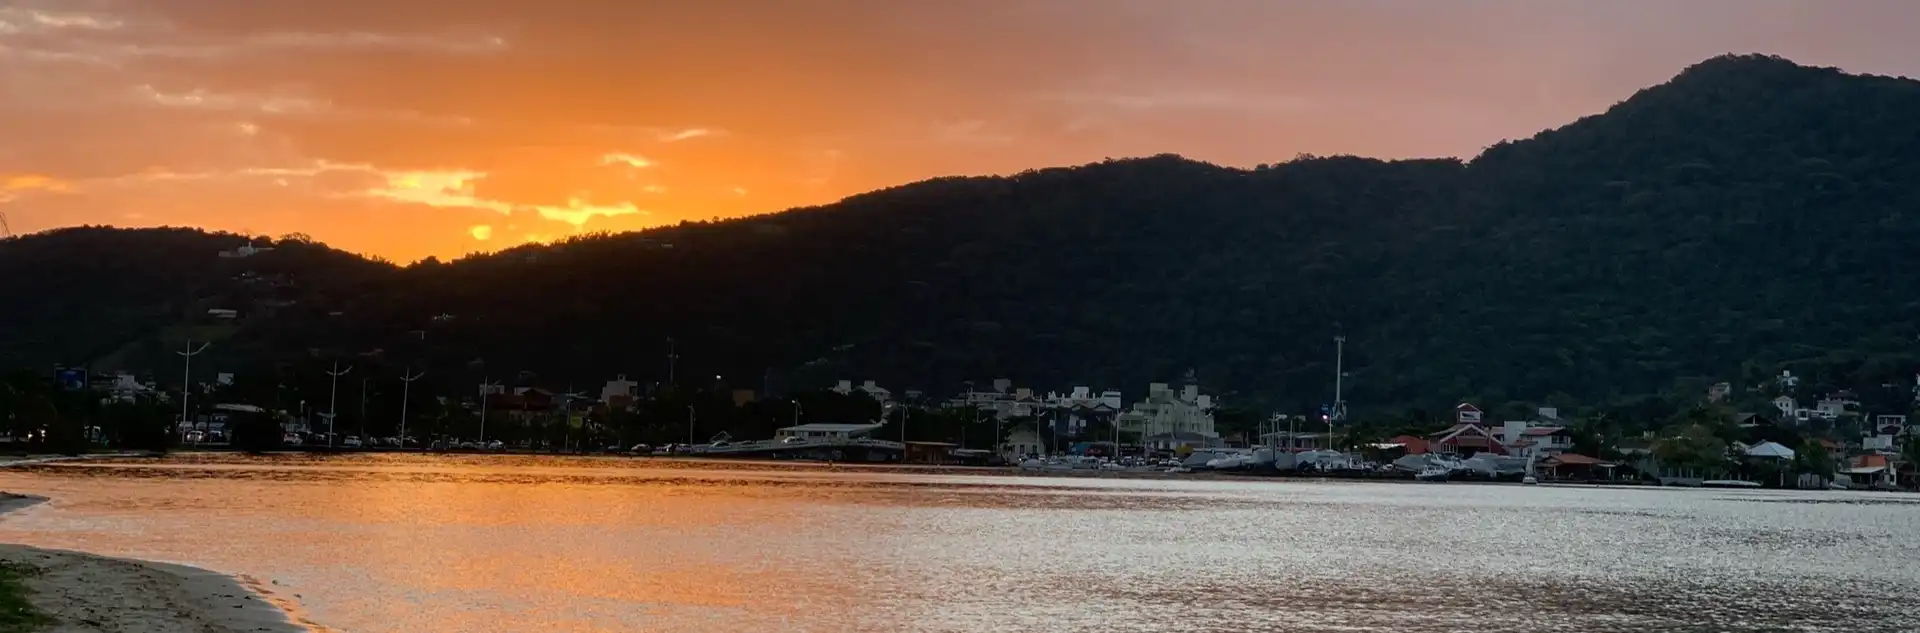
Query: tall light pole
[1339,372]
[333,398]
[486,389]
[671,358]
[363,405]
[406,394]
[186,379]
[689,424]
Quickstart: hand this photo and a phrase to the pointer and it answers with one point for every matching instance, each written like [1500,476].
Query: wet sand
[84,593]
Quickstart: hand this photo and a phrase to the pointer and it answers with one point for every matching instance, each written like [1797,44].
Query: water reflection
[494,543]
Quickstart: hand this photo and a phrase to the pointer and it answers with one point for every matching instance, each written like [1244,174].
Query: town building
[619,392]
[1074,412]
[1172,418]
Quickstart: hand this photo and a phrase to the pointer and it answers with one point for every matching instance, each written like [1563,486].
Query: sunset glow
[434,127]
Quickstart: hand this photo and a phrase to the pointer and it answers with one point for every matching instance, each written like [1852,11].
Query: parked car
[641,449]
[290,439]
[351,441]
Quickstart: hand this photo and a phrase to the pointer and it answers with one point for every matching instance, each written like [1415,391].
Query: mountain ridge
[1630,253]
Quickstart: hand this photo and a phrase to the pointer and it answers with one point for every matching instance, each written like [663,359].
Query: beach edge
[90,592]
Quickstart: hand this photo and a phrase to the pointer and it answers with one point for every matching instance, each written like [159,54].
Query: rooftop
[827,427]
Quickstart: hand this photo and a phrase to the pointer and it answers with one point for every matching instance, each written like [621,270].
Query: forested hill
[1747,216]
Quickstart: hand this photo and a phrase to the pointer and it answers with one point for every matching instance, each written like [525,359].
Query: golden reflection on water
[376,543]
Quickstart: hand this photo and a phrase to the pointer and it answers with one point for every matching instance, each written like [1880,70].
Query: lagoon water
[441,544]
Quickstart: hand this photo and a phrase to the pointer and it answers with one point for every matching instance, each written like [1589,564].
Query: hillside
[1747,216]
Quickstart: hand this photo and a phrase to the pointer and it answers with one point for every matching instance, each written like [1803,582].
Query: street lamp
[690,417]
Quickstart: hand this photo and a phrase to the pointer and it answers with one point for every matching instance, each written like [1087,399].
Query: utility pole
[671,358]
[486,389]
[186,380]
[406,394]
[796,413]
[690,424]
[333,398]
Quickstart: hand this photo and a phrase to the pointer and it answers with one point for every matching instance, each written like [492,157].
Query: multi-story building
[1169,419]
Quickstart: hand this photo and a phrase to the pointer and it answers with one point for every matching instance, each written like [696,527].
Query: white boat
[1529,480]
[1729,483]
[1434,473]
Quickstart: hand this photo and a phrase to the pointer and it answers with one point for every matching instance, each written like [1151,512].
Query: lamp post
[690,417]
[406,395]
[333,398]
[186,380]
[486,389]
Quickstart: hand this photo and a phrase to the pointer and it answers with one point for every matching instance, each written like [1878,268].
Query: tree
[254,432]
[1812,458]
[1694,447]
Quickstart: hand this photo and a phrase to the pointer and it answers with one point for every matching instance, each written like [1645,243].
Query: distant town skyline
[439,128]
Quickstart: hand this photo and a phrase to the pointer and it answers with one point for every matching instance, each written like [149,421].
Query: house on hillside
[871,388]
[1894,425]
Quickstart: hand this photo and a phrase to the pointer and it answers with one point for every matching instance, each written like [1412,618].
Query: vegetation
[1749,216]
[17,614]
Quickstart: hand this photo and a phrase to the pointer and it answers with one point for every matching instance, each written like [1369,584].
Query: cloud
[15,20]
[1178,100]
[34,182]
[623,158]
[481,232]
[229,102]
[462,189]
[674,136]
[970,132]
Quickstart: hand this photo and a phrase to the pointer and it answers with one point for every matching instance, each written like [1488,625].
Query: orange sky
[408,128]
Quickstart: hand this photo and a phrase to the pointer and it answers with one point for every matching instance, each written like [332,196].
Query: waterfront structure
[825,431]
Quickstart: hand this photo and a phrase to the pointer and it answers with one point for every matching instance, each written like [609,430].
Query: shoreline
[87,593]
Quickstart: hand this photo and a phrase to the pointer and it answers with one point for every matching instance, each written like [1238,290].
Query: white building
[245,252]
[873,390]
[1544,436]
[1022,442]
[1003,401]
[1186,415]
[619,387]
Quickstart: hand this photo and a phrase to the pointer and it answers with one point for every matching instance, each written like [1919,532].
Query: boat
[1529,480]
[1434,474]
[1729,483]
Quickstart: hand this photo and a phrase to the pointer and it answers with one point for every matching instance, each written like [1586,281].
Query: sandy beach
[84,593]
